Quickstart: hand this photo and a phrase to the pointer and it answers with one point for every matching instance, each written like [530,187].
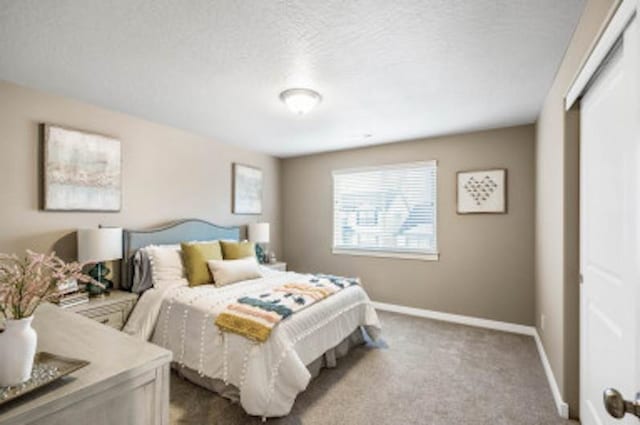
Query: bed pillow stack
[195,257]
[232,262]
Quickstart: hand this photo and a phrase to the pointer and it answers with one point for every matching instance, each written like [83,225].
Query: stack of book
[77,298]
[71,294]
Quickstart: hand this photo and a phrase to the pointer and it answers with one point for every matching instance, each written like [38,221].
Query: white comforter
[269,375]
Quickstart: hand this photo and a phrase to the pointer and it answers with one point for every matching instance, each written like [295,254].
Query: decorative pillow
[237,250]
[166,263]
[195,256]
[226,272]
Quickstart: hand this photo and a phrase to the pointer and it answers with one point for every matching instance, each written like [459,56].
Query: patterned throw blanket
[254,317]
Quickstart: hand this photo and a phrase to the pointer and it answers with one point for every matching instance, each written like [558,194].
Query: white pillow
[166,263]
[225,272]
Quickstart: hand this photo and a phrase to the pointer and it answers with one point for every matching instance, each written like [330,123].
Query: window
[387,211]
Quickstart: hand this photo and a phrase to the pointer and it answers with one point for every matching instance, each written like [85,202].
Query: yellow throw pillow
[237,250]
[195,257]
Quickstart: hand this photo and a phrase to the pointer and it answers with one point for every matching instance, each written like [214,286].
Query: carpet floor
[433,373]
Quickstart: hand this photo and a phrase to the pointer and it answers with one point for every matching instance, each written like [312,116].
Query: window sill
[383,254]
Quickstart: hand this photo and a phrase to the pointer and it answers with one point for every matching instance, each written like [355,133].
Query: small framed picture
[482,191]
[247,189]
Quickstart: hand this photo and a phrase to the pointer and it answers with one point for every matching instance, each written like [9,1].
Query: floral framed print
[81,171]
[482,191]
[247,190]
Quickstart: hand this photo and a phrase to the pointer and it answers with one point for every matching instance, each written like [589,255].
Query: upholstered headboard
[174,233]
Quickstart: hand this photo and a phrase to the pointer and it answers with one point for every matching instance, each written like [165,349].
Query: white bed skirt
[231,392]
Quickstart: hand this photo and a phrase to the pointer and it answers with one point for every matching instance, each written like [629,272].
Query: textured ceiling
[390,69]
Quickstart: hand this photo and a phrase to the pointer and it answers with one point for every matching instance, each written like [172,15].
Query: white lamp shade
[259,232]
[102,244]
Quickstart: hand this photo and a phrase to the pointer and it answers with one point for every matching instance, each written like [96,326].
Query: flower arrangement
[27,282]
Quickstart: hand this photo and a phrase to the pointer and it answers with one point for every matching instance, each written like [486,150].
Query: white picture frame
[81,171]
[482,191]
[247,190]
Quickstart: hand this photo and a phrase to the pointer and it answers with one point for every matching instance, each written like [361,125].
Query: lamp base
[99,272]
[261,254]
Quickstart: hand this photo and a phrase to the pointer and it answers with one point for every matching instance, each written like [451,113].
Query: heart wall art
[482,191]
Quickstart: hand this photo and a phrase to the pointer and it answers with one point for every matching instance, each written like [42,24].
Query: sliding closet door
[610,236]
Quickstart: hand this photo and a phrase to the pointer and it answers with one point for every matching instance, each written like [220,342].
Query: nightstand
[280,266]
[111,310]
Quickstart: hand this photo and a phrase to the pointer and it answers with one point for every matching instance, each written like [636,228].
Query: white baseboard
[457,318]
[561,406]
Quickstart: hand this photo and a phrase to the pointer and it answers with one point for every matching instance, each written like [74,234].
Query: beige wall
[168,174]
[486,264]
[556,246]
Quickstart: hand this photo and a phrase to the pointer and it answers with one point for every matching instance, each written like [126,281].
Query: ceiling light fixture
[300,101]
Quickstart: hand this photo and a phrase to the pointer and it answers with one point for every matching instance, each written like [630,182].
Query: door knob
[617,406]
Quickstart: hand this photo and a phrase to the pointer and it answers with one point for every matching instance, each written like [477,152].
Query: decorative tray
[47,368]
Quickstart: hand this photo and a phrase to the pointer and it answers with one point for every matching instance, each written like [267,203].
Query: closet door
[610,237]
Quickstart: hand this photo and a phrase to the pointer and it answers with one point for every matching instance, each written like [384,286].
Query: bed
[265,377]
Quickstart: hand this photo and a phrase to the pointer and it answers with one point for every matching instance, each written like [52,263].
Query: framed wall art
[247,189]
[81,171]
[482,191]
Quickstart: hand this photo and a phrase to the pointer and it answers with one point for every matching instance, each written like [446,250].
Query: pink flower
[27,282]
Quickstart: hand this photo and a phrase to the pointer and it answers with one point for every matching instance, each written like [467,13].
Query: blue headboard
[174,233]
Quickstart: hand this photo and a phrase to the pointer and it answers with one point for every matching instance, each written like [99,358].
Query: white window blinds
[387,210]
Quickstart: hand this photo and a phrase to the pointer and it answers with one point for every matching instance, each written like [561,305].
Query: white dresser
[126,383]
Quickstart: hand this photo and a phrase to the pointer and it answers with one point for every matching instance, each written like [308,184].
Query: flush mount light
[300,101]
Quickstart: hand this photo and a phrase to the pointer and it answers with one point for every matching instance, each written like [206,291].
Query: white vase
[17,350]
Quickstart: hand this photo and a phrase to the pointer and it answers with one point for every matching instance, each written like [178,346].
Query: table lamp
[259,234]
[97,246]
